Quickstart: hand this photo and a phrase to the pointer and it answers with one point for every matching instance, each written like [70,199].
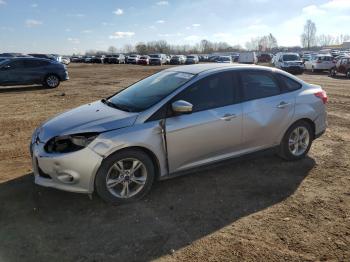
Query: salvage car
[341,67]
[29,71]
[320,63]
[144,60]
[192,59]
[290,62]
[133,59]
[178,60]
[172,122]
[157,59]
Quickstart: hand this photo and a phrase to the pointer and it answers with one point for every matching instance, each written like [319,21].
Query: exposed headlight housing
[69,143]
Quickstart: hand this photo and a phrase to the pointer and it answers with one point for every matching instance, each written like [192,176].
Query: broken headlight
[69,143]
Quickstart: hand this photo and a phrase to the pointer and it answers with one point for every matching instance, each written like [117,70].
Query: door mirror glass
[182,107]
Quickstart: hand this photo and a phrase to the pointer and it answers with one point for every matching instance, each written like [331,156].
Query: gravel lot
[260,208]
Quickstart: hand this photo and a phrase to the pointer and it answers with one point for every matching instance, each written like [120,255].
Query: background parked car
[264,58]
[157,59]
[192,59]
[116,59]
[77,59]
[224,59]
[320,63]
[290,62]
[88,59]
[50,57]
[133,59]
[29,71]
[98,59]
[144,60]
[178,60]
[65,60]
[341,67]
[248,58]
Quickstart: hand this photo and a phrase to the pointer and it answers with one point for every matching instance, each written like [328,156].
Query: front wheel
[296,142]
[52,81]
[348,74]
[125,176]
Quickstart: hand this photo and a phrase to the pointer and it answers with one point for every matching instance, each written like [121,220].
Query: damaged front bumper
[74,172]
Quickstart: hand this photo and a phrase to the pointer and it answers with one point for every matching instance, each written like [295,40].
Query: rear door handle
[283,105]
[228,117]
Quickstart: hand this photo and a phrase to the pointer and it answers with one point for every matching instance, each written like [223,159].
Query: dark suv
[29,71]
[342,67]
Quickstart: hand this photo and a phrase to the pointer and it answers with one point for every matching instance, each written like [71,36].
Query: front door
[213,130]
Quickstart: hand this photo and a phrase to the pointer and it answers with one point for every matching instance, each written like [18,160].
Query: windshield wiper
[116,106]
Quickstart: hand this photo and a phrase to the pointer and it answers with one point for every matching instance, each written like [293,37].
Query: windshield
[149,91]
[154,56]
[3,61]
[291,58]
[190,56]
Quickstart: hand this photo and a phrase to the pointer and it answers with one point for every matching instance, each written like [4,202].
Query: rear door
[267,110]
[213,130]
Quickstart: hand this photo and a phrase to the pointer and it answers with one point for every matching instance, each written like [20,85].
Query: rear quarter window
[287,84]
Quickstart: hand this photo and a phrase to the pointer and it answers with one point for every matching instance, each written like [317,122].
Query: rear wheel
[125,176]
[348,74]
[297,141]
[333,72]
[51,81]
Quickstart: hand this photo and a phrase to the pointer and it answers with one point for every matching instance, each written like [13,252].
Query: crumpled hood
[93,117]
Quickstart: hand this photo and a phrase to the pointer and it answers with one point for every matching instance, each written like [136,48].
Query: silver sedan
[173,121]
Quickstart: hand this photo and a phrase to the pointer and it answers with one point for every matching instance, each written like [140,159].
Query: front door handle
[283,105]
[228,117]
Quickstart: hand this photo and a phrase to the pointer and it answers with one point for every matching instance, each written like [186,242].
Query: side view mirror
[182,107]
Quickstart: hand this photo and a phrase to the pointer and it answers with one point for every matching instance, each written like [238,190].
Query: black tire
[313,70]
[101,184]
[51,81]
[348,74]
[284,150]
[333,72]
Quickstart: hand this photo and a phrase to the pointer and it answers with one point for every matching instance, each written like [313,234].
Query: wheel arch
[304,119]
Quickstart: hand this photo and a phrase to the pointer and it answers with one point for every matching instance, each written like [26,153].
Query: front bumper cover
[74,172]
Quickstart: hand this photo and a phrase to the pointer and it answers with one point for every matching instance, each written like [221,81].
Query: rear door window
[287,84]
[258,84]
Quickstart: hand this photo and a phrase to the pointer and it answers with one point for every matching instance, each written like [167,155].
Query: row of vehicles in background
[53,57]
[332,62]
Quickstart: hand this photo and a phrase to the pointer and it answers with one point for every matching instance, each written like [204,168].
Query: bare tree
[141,48]
[128,48]
[112,50]
[308,37]
[325,40]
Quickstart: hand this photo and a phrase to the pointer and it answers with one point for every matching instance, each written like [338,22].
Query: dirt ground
[257,209]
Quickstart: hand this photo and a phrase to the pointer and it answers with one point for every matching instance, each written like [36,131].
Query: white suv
[290,62]
[320,63]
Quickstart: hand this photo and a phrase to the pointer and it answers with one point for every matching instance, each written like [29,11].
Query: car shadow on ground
[10,89]
[43,224]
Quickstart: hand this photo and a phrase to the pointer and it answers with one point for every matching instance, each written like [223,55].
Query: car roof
[31,58]
[199,68]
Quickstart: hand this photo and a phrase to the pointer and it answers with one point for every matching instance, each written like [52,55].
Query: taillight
[322,95]
[318,61]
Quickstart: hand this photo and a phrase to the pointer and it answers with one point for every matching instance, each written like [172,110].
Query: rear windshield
[291,58]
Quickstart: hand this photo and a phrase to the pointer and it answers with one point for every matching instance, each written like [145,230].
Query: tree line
[267,43]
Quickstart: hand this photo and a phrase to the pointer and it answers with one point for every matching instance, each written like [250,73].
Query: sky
[73,26]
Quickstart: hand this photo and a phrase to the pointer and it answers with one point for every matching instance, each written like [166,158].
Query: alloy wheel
[126,178]
[299,140]
[52,81]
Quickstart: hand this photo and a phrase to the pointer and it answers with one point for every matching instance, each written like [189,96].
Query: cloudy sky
[67,26]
